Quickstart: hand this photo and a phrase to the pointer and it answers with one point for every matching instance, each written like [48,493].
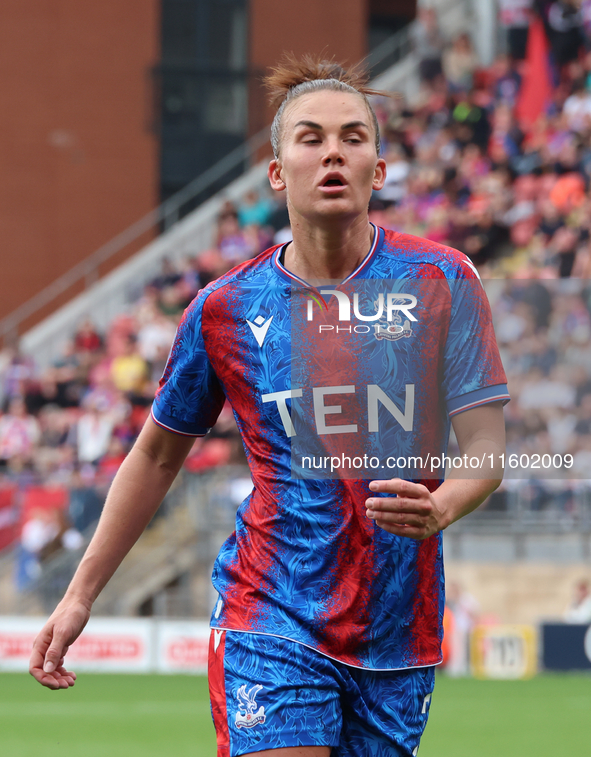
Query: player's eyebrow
[354,125]
[309,124]
[344,127]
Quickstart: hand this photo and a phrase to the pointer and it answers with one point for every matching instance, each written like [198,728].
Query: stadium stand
[462,171]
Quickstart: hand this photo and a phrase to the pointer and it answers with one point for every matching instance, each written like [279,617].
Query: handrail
[396,46]
[168,212]
[400,43]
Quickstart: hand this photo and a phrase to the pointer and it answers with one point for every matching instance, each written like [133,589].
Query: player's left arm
[416,512]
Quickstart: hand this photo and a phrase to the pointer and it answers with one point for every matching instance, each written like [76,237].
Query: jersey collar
[280,269]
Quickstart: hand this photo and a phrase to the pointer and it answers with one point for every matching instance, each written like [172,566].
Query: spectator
[129,370]
[85,501]
[580,609]
[54,425]
[565,24]
[19,433]
[168,276]
[540,392]
[110,462]
[514,18]
[583,426]
[9,512]
[506,137]
[18,372]
[210,266]
[171,302]
[86,338]
[582,456]
[507,81]
[40,530]
[46,531]
[255,210]
[68,375]
[190,283]
[577,109]
[465,609]
[428,44]
[459,64]
[93,432]
[154,337]
[233,244]
[397,170]
[586,19]
[5,360]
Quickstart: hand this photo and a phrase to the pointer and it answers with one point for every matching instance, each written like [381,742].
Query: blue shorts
[268,692]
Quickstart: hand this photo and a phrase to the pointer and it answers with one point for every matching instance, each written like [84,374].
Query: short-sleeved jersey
[305,562]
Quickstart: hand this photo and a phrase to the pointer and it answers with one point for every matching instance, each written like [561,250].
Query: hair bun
[292,71]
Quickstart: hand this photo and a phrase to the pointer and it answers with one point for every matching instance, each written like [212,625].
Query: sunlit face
[328,162]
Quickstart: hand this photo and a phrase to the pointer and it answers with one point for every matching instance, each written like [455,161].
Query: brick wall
[79,162]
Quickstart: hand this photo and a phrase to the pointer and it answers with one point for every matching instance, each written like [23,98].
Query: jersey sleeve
[473,372]
[189,397]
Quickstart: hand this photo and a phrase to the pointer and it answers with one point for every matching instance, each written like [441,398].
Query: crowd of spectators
[543,328]
[465,171]
[462,171]
[65,430]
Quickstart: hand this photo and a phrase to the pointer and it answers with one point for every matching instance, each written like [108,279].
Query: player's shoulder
[444,261]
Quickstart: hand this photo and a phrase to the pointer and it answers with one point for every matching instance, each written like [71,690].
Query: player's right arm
[136,493]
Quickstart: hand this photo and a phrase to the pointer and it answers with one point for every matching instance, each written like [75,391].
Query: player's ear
[274,173]
[379,176]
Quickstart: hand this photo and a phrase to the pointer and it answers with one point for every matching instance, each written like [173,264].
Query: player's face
[328,161]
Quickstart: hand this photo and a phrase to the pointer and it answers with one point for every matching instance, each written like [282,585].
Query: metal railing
[390,51]
[211,511]
[170,212]
[400,45]
[165,215]
[394,54]
[510,528]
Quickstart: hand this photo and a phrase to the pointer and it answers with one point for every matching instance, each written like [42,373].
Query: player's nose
[333,153]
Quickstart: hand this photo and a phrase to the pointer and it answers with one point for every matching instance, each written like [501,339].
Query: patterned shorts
[267,692]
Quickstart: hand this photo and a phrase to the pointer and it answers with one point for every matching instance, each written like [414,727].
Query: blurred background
[134,146]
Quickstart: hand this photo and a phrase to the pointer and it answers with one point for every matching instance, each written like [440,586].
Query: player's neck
[321,255]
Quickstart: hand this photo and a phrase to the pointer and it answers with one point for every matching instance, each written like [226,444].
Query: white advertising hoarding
[181,646]
[121,645]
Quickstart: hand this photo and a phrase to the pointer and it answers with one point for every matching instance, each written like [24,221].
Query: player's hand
[411,512]
[52,643]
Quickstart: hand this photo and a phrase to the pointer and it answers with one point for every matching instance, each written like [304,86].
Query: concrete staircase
[167,572]
[165,552]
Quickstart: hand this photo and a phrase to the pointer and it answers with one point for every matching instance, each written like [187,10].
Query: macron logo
[259,328]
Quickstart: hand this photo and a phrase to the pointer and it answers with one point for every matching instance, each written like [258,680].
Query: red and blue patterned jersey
[305,562]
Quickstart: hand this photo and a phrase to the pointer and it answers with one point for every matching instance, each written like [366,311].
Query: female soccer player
[328,623]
